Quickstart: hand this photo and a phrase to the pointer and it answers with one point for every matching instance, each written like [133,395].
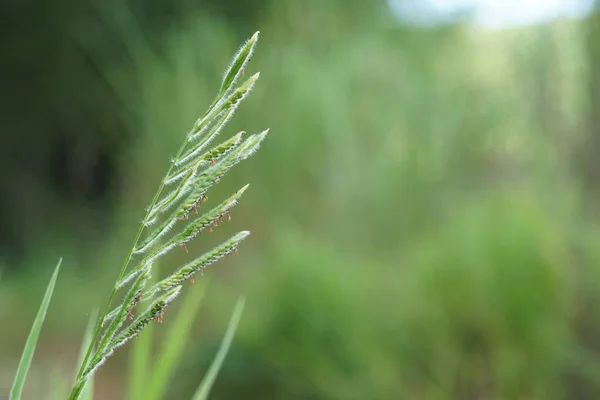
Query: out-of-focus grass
[416,230]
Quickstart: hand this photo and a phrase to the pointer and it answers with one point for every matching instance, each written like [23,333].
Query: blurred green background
[425,211]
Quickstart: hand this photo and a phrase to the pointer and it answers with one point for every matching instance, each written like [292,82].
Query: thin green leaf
[209,379]
[27,355]
[174,343]
[88,391]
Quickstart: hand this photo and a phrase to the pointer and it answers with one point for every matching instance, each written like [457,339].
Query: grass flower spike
[192,172]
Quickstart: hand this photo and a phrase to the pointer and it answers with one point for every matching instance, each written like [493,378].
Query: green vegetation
[181,193]
[423,221]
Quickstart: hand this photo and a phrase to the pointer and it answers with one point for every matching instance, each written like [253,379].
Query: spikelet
[188,233]
[153,312]
[188,270]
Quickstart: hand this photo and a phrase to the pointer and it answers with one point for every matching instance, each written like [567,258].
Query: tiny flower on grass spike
[192,172]
[230,102]
[189,232]
[210,157]
[136,301]
[123,312]
[160,316]
[208,177]
[134,329]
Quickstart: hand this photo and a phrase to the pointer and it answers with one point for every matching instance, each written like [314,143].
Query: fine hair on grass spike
[192,172]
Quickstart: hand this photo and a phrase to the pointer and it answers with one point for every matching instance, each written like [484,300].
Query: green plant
[192,172]
[34,334]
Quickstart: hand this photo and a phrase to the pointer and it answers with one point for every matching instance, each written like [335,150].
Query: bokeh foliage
[423,214]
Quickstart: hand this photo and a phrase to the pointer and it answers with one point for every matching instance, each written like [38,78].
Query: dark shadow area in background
[61,135]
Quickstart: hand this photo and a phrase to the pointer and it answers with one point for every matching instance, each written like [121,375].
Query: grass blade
[88,392]
[58,385]
[139,368]
[174,343]
[208,381]
[27,355]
